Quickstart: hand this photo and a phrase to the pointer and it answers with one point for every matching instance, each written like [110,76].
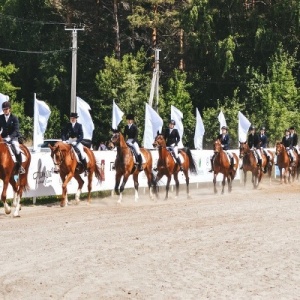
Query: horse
[167,166]
[287,169]
[221,165]
[125,166]
[250,164]
[9,175]
[66,165]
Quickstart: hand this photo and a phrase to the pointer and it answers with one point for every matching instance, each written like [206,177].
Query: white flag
[199,132]
[40,119]
[177,116]
[83,110]
[3,98]
[222,120]
[153,123]
[117,115]
[244,125]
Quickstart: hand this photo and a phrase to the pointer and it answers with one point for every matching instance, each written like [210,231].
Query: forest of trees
[234,55]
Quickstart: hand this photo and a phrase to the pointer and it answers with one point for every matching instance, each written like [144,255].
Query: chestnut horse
[167,166]
[126,166]
[8,174]
[286,168]
[221,165]
[250,164]
[65,162]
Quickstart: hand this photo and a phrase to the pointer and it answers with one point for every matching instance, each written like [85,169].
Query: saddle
[77,155]
[13,153]
[170,149]
[135,155]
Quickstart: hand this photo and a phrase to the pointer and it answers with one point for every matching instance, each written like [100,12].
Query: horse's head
[115,139]
[217,146]
[110,145]
[279,148]
[58,154]
[159,141]
[244,149]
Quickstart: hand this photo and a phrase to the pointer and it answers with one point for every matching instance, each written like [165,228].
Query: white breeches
[17,145]
[135,145]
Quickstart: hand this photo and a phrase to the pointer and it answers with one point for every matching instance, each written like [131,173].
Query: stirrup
[21,170]
[181,168]
[85,173]
[211,170]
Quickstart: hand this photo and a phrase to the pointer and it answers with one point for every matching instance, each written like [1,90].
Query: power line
[21,20]
[35,52]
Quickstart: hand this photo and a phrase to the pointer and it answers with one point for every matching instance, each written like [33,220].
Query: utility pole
[155,81]
[74,67]
[157,77]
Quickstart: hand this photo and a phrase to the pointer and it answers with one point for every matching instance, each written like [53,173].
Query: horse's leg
[176,183]
[7,208]
[168,187]
[155,181]
[122,187]
[64,196]
[117,182]
[245,177]
[80,185]
[136,186]
[215,183]
[18,191]
[229,182]
[223,184]
[149,175]
[187,181]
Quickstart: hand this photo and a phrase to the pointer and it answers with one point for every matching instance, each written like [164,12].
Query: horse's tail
[192,163]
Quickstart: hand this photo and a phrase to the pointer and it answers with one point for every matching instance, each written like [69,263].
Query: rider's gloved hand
[7,139]
[65,142]
[74,143]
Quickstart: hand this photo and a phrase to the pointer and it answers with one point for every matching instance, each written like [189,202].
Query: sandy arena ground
[243,245]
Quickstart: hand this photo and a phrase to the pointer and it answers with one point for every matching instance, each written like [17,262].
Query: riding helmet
[6,104]
[253,128]
[130,117]
[73,115]
[172,122]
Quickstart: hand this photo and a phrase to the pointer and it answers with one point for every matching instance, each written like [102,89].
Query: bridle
[54,154]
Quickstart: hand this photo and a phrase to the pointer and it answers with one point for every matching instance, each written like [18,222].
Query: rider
[294,137]
[224,139]
[73,133]
[254,143]
[263,145]
[172,138]
[131,132]
[9,124]
[287,142]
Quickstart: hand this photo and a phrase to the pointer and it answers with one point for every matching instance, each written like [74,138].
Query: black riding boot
[267,164]
[140,161]
[231,163]
[179,163]
[19,163]
[211,163]
[259,162]
[84,163]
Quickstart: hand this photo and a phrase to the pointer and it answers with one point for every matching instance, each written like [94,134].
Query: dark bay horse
[287,169]
[166,166]
[125,166]
[221,165]
[8,174]
[66,164]
[250,164]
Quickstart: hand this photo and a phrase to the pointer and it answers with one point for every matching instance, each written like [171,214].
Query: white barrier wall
[44,182]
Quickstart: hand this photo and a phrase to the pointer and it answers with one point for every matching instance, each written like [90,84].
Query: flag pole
[35,123]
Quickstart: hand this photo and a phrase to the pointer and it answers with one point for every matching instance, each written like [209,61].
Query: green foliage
[230,110]
[127,82]
[6,86]
[54,124]
[177,94]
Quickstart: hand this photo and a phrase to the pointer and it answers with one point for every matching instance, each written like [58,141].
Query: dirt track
[243,245]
